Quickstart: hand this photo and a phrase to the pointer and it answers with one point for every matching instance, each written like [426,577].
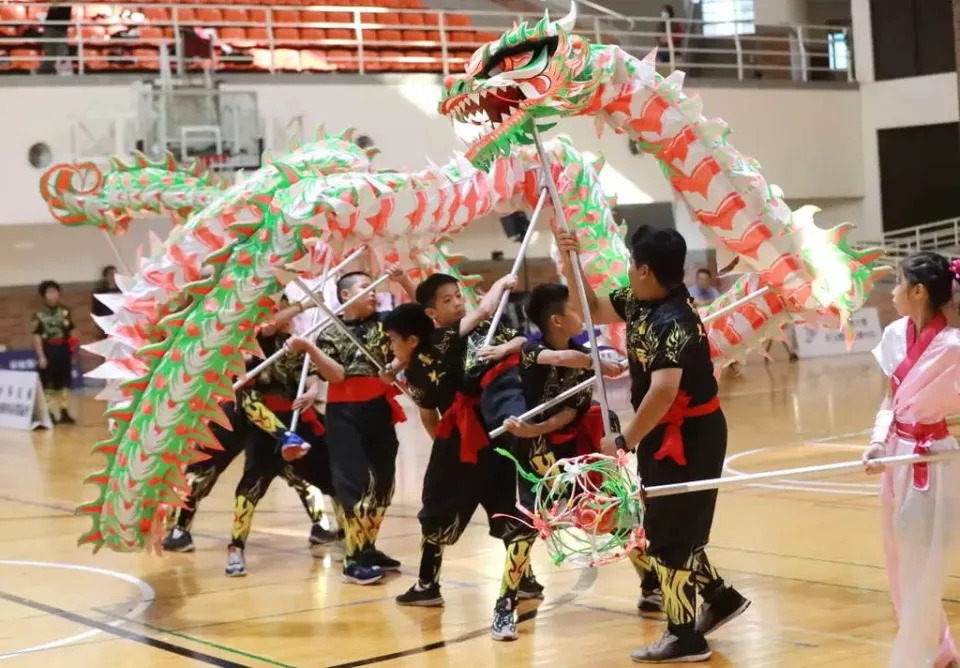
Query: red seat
[286,17]
[312,34]
[342,59]
[186,15]
[388,36]
[461,36]
[25,59]
[12,13]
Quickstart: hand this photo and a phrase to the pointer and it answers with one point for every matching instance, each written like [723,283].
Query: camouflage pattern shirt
[52,323]
[664,334]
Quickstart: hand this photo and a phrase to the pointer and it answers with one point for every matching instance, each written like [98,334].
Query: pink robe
[920,525]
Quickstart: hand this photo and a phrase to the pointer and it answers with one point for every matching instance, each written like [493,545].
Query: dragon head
[529,74]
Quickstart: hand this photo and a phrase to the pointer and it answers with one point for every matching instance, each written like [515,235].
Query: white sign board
[825,342]
[22,404]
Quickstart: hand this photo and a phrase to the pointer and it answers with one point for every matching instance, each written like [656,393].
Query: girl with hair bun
[920,504]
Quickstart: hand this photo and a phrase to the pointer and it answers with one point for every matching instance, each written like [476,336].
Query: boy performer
[361,413]
[680,433]
[463,472]
[52,328]
[253,418]
[549,367]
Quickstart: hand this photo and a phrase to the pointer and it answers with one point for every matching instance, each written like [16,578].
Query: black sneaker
[424,598]
[356,573]
[504,625]
[651,601]
[54,419]
[671,649]
[721,609]
[321,536]
[384,562]
[178,540]
[236,564]
[66,418]
[529,588]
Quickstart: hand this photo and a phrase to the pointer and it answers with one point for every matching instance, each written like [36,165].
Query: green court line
[199,641]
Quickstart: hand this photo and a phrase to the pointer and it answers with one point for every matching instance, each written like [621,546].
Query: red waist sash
[493,372]
[587,431]
[672,444]
[71,341]
[923,435]
[357,389]
[309,416]
[462,415]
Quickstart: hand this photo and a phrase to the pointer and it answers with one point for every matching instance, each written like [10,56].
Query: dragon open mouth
[489,121]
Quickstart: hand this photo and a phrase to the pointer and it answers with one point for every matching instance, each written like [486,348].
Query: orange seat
[313,16]
[286,35]
[186,15]
[315,60]
[312,34]
[342,59]
[233,35]
[462,36]
[457,20]
[340,33]
[209,15]
[156,14]
[24,59]
[388,36]
[151,33]
[12,13]
[258,36]
[411,19]
[286,17]
[146,59]
[235,15]
[93,33]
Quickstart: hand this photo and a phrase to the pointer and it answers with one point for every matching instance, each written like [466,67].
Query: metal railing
[323,38]
[942,236]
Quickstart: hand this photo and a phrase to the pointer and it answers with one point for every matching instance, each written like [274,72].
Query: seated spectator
[106,285]
[703,291]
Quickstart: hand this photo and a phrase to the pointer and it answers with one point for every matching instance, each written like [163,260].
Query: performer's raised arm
[601,308]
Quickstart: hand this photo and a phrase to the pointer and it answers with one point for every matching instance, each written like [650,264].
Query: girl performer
[921,356]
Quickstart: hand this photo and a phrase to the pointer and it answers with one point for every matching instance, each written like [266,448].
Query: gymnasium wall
[808,140]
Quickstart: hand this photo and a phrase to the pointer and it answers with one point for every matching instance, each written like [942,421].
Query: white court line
[814,486]
[147,595]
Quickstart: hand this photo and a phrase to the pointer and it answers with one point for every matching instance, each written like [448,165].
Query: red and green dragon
[188,317]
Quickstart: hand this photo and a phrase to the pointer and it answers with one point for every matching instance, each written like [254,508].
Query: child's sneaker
[355,573]
[428,597]
[178,540]
[236,564]
[504,625]
[529,588]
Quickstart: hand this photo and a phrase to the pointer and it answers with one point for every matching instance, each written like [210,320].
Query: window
[727,17]
[839,56]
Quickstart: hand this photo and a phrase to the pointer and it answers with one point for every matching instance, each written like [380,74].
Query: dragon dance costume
[463,472]
[54,326]
[362,440]
[265,410]
[689,443]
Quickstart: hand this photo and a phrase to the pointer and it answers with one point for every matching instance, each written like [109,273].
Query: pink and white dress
[920,504]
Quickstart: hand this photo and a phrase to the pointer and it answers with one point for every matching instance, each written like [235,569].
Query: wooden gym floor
[806,552]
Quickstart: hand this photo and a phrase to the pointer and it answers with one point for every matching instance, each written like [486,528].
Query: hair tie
[955,269]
